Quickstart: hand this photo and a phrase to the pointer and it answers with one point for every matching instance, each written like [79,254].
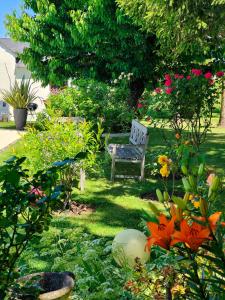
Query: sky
[7,7]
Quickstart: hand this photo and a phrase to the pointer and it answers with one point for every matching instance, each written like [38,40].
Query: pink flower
[188,77]
[158,90]
[197,72]
[208,75]
[139,105]
[37,191]
[167,77]
[178,76]
[219,73]
[168,91]
[168,82]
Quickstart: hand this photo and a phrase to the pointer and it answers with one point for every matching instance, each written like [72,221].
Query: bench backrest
[138,134]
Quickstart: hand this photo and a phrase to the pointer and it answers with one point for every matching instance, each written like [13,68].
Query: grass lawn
[7,125]
[11,150]
[116,206]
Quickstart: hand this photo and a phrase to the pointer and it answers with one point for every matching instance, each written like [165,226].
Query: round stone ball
[128,245]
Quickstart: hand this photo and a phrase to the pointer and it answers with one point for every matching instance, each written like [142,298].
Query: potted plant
[19,96]
[26,205]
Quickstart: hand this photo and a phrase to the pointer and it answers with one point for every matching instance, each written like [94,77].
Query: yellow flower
[195,199]
[163,160]
[178,289]
[164,171]
[196,204]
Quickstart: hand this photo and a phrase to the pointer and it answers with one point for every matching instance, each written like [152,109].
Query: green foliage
[95,39]
[20,94]
[25,211]
[184,28]
[57,142]
[94,100]
[97,275]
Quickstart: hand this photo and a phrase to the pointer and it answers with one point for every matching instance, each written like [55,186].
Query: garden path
[8,137]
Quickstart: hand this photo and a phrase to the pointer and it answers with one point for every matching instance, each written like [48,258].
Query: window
[3,104]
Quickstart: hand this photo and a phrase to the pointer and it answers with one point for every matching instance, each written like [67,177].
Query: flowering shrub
[187,100]
[192,230]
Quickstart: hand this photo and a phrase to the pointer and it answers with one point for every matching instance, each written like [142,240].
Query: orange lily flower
[192,235]
[161,234]
[212,220]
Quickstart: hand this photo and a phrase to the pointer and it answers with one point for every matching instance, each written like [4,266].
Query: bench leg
[113,169]
[82,180]
[142,169]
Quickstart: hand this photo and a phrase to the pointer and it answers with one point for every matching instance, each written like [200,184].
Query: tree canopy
[68,38]
[183,27]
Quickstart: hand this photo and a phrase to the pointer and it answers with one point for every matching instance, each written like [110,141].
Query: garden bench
[134,152]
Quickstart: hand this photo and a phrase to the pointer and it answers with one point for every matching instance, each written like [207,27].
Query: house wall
[7,70]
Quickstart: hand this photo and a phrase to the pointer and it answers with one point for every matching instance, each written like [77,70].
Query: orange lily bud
[203,207]
[173,210]
[179,214]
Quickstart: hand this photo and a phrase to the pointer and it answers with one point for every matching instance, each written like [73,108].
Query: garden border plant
[25,212]
[191,231]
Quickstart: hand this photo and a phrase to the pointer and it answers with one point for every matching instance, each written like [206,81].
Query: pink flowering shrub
[186,100]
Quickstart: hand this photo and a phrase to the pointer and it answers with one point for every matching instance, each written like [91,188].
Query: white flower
[115,81]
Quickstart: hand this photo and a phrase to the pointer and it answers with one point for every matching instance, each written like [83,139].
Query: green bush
[94,100]
[59,141]
[25,212]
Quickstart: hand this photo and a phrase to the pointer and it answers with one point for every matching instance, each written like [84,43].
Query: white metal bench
[134,152]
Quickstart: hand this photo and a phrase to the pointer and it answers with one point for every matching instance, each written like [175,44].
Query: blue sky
[7,7]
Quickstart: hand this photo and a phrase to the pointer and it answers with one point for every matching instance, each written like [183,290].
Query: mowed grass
[7,125]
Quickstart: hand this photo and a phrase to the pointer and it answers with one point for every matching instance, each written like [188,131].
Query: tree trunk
[222,110]
[136,88]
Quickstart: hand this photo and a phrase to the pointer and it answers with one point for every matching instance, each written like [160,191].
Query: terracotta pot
[57,285]
[20,118]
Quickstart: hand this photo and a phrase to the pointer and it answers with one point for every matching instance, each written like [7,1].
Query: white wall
[7,71]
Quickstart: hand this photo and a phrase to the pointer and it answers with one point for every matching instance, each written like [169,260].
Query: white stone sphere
[128,245]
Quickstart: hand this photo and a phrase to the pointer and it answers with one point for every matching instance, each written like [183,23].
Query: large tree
[70,38]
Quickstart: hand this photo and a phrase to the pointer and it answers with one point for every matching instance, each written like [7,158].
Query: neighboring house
[11,69]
